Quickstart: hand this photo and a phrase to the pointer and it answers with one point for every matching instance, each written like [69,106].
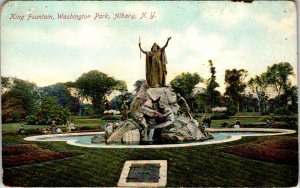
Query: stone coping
[278,131]
[162,174]
[35,138]
[270,131]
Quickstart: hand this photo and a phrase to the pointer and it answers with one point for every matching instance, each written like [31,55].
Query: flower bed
[15,155]
[282,150]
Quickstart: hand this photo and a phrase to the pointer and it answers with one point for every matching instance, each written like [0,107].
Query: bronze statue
[156,61]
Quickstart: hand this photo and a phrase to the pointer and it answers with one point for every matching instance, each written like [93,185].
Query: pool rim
[271,132]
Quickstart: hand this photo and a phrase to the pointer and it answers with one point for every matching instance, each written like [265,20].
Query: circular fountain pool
[220,136]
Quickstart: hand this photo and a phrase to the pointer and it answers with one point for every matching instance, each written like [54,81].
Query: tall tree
[200,105]
[77,99]
[59,92]
[234,80]
[211,91]
[117,101]
[278,76]
[19,101]
[94,85]
[184,85]
[258,85]
[4,83]
[62,95]
[291,95]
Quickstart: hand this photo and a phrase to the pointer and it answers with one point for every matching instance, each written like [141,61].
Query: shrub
[285,118]
[13,110]
[49,111]
[265,113]
[282,111]
[231,110]
[219,116]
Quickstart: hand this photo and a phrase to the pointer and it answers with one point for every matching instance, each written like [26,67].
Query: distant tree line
[40,105]
[239,95]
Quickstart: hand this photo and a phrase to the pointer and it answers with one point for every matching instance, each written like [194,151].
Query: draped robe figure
[156,61]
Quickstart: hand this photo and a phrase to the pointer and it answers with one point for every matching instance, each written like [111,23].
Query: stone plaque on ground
[144,173]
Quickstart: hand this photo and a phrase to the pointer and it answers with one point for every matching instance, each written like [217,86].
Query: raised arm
[166,43]
[142,49]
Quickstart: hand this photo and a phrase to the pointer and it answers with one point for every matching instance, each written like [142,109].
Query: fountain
[159,118]
[158,113]
[220,136]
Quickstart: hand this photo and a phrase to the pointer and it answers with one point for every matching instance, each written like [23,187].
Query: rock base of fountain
[158,114]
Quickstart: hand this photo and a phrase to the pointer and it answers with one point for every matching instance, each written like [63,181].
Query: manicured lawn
[190,166]
[198,166]
[232,120]
[216,123]
[14,127]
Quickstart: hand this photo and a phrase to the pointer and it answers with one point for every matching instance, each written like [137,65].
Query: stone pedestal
[158,108]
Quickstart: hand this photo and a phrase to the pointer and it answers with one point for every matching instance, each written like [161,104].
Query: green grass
[254,114]
[198,166]
[14,127]
[190,166]
[247,114]
[216,123]
[232,120]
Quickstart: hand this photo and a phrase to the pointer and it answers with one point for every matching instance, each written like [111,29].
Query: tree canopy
[59,91]
[278,76]
[19,101]
[234,80]
[185,83]
[258,85]
[4,82]
[94,85]
[62,95]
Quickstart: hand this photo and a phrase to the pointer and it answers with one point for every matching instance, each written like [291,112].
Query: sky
[249,36]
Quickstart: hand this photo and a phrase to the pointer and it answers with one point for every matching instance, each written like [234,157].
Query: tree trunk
[259,108]
[79,111]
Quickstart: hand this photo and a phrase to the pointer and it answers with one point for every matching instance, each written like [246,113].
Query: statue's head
[155,47]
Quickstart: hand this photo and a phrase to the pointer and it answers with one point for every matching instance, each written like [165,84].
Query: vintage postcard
[149,94]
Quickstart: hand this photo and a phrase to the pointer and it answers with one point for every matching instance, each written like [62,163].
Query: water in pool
[86,139]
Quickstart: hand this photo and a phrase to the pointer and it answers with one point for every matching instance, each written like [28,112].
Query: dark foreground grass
[189,166]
